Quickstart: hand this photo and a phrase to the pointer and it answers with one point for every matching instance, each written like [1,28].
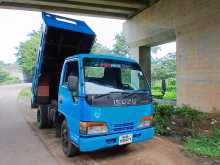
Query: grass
[169,95]
[25,93]
[205,145]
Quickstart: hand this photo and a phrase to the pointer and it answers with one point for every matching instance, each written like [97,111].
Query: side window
[71,69]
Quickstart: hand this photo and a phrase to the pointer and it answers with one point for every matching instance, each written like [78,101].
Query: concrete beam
[107,8]
[67,10]
[128,3]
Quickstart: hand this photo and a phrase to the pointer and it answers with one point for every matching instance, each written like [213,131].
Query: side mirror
[72,83]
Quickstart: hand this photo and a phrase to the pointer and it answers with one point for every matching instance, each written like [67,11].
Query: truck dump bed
[61,37]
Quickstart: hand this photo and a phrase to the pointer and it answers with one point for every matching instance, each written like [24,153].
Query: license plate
[125,139]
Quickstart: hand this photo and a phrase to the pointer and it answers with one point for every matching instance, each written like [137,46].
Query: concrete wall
[196,26]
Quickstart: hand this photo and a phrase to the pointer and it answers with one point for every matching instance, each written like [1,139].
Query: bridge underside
[194,24]
[123,9]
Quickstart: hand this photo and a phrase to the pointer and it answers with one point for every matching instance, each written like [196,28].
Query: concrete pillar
[196,26]
[145,61]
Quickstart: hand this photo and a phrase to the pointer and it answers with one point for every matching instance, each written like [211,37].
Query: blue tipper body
[120,120]
[79,29]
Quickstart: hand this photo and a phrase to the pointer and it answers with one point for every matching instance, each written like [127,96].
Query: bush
[162,118]
[190,115]
[166,115]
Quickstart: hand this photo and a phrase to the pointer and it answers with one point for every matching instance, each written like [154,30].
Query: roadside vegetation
[198,132]
[5,77]
[170,93]
[25,93]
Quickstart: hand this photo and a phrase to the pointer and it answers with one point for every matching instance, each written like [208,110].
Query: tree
[26,54]
[5,77]
[100,49]
[164,67]
[121,46]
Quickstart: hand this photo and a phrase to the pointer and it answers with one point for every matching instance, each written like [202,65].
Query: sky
[15,25]
[165,49]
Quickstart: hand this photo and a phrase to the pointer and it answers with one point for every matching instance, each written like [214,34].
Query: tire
[42,113]
[49,118]
[68,148]
[58,130]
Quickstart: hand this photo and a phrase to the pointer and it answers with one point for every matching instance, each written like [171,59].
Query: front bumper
[105,141]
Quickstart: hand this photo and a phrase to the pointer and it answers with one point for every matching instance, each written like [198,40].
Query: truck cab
[94,101]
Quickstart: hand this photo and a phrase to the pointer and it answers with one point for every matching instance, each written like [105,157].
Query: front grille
[123,127]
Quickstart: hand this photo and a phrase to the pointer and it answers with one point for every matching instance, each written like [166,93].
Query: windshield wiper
[105,94]
[136,92]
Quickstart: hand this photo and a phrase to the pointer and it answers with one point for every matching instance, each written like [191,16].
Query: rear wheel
[68,148]
[42,114]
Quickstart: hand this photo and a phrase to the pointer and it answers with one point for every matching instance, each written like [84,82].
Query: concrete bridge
[194,24]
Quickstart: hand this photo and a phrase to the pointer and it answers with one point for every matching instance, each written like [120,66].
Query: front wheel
[68,148]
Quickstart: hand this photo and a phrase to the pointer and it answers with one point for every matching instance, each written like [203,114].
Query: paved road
[18,143]
[22,143]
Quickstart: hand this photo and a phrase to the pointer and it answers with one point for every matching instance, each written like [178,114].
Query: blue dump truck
[93,101]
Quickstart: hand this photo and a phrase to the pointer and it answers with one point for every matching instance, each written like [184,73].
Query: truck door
[69,101]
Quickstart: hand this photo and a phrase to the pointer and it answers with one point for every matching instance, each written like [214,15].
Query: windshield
[104,76]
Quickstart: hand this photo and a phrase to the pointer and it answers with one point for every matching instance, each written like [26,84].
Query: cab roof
[103,56]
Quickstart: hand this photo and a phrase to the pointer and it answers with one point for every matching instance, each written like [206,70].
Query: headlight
[89,128]
[146,121]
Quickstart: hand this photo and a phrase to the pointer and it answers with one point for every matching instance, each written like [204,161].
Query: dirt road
[21,142]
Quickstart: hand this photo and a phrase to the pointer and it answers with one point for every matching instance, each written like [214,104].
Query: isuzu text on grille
[130,101]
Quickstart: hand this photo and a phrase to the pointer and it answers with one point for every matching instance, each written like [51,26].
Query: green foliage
[100,49]
[172,82]
[170,92]
[164,67]
[6,78]
[189,114]
[162,118]
[26,54]
[205,145]
[164,114]
[121,46]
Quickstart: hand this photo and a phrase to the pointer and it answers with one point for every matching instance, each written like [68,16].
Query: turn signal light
[89,128]
[146,121]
